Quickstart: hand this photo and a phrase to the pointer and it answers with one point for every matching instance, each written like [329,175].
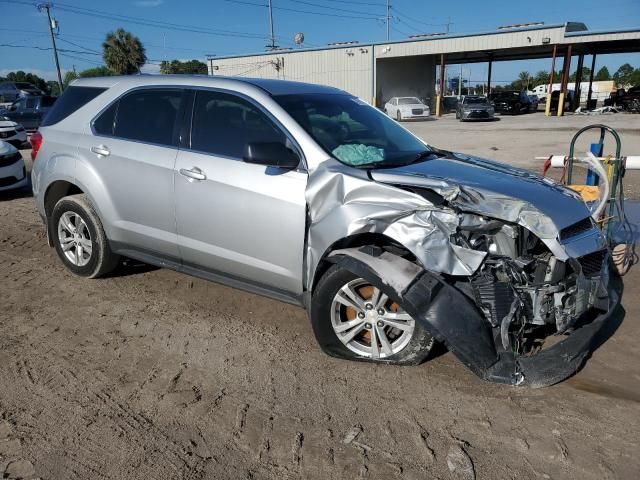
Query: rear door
[240,219]
[133,148]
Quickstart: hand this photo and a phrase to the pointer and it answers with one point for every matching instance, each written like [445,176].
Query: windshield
[353,132]
[24,85]
[408,101]
[475,100]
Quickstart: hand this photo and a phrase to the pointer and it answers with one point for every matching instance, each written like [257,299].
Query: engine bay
[523,290]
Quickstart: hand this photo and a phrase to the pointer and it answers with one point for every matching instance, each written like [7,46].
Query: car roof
[273,87]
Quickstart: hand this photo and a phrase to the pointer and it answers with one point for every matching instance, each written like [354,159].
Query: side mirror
[270,154]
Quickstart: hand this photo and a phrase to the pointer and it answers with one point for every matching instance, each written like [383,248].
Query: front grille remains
[416,111]
[592,262]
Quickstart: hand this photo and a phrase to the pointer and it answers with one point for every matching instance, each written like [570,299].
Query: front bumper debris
[453,319]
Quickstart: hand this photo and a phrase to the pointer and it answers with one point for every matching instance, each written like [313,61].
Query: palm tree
[524,78]
[123,52]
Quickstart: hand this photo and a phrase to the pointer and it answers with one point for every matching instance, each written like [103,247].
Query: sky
[197,28]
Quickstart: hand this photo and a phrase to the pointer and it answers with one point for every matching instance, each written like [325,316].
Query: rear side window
[71,100]
[223,124]
[148,116]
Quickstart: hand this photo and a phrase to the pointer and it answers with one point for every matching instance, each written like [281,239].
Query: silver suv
[308,195]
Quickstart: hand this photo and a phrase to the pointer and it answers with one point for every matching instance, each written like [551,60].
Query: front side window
[224,124]
[149,115]
[354,132]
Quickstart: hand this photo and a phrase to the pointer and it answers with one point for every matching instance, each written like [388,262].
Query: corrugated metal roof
[395,42]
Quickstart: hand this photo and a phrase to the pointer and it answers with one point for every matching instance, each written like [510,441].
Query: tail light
[36,143]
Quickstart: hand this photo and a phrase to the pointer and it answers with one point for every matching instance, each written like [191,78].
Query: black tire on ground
[398,116]
[414,353]
[102,259]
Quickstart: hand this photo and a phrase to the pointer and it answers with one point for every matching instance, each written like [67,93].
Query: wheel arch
[355,241]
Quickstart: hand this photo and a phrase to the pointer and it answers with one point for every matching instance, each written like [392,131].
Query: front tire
[399,116]
[79,238]
[354,320]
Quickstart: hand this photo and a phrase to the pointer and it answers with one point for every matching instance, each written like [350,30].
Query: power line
[154,23]
[306,12]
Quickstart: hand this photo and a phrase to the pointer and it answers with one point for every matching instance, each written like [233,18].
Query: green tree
[602,75]
[53,88]
[190,66]
[100,71]
[586,71]
[123,53]
[523,81]
[33,79]
[623,76]
[540,78]
[69,77]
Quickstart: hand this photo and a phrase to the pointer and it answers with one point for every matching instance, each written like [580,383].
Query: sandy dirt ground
[150,374]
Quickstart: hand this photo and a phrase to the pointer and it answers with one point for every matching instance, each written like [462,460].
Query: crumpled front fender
[453,319]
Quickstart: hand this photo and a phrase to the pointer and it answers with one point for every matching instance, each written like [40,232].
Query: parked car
[13,173]
[630,100]
[309,195]
[449,104]
[12,91]
[511,101]
[29,111]
[474,108]
[12,132]
[535,102]
[406,108]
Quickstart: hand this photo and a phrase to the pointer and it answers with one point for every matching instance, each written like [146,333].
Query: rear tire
[402,347]
[79,239]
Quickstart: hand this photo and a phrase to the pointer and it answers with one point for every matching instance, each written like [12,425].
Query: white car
[12,132]
[405,108]
[13,173]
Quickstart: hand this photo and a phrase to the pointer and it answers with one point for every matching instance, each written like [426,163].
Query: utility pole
[47,7]
[388,17]
[272,41]
[449,23]
[460,83]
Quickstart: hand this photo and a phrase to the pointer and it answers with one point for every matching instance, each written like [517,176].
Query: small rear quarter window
[71,100]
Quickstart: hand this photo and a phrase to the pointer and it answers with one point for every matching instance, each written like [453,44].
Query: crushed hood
[489,188]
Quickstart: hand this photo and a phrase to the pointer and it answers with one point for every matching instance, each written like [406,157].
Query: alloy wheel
[75,239]
[368,322]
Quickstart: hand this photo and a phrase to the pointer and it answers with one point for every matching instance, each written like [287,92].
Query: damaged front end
[516,294]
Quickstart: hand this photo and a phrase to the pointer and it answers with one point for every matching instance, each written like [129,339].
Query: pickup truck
[29,111]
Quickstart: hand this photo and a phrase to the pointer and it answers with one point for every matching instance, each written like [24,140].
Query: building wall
[405,77]
[345,68]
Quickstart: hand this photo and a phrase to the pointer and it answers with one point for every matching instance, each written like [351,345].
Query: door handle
[194,173]
[101,150]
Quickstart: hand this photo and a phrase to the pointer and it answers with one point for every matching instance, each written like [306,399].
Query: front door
[239,219]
